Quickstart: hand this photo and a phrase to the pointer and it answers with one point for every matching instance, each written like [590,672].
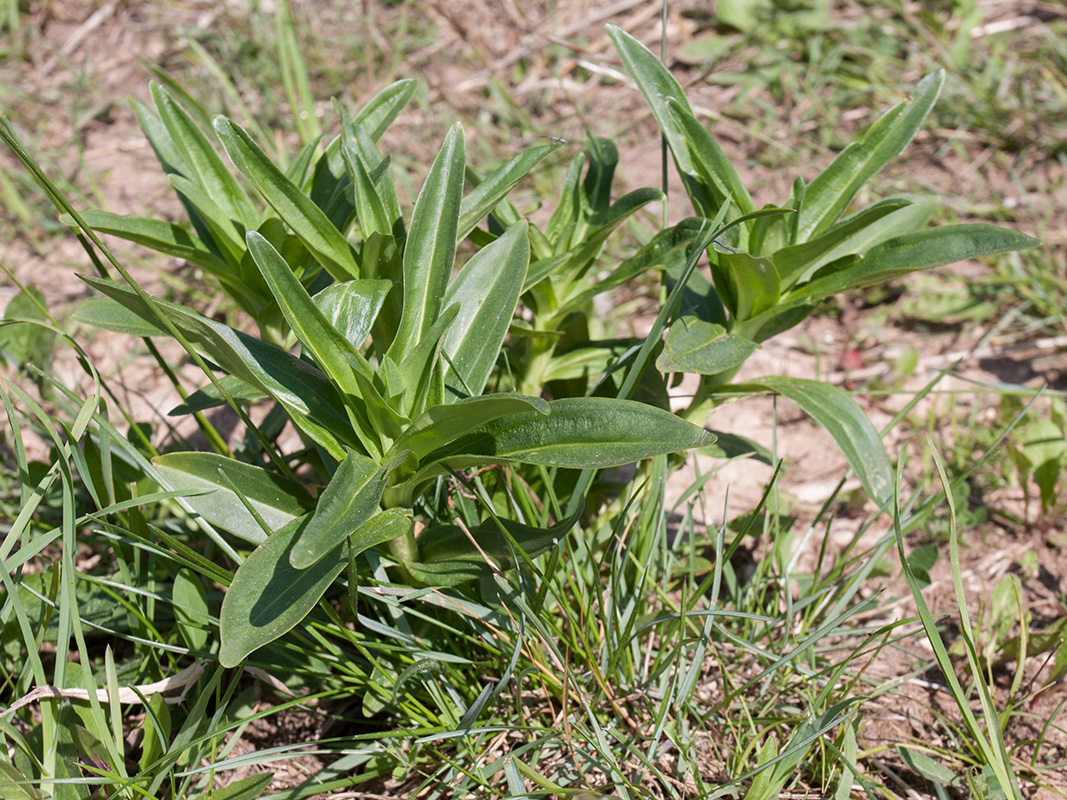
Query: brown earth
[76,62]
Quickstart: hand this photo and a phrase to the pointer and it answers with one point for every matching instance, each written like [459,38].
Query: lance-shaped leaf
[830,193]
[442,424]
[269,596]
[378,113]
[295,208]
[421,371]
[351,307]
[484,197]
[307,397]
[852,431]
[449,557]
[276,499]
[350,499]
[204,166]
[693,345]
[747,284]
[579,433]
[486,290]
[931,247]
[209,397]
[163,237]
[103,312]
[430,250]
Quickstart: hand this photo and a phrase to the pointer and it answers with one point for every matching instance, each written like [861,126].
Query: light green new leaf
[350,499]
[370,209]
[277,500]
[442,424]
[269,597]
[351,307]
[747,284]
[308,398]
[205,168]
[486,290]
[378,113]
[579,433]
[421,371]
[295,208]
[693,345]
[833,189]
[430,250]
[845,421]
[163,237]
[484,197]
[931,247]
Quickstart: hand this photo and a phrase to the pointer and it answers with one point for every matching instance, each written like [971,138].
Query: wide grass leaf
[276,500]
[486,290]
[294,207]
[269,596]
[845,421]
[693,345]
[350,499]
[430,250]
[832,190]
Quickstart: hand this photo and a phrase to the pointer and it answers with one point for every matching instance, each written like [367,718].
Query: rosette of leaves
[395,353]
[770,271]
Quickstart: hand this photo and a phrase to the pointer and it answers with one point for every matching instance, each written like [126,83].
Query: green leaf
[378,113]
[277,500]
[295,208]
[269,597]
[204,166]
[191,609]
[658,87]
[693,345]
[832,190]
[579,433]
[370,208]
[747,284]
[242,789]
[15,785]
[442,424]
[931,247]
[350,499]
[791,262]
[845,421]
[308,398]
[422,371]
[486,289]
[717,174]
[163,237]
[484,197]
[351,307]
[449,557]
[430,250]
[209,397]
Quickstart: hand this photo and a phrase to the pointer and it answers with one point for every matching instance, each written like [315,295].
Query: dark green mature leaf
[205,168]
[105,313]
[579,433]
[350,499]
[449,557]
[430,250]
[486,289]
[484,197]
[309,399]
[209,397]
[442,424]
[830,193]
[845,421]
[693,345]
[295,208]
[163,237]
[931,247]
[276,499]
